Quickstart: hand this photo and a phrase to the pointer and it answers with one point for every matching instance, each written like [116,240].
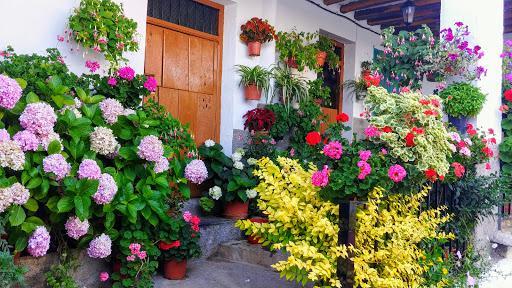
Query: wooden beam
[330,2]
[415,23]
[377,12]
[363,4]
[395,20]
[434,29]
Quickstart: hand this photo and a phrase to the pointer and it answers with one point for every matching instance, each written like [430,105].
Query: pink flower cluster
[107,189]
[365,169]
[135,250]
[333,150]
[27,140]
[10,92]
[321,178]
[56,163]
[104,276]
[459,169]
[38,118]
[110,109]
[112,81]
[126,73]
[39,242]
[100,247]
[150,84]
[89,169]
[372,131]
[365,155]
[192,219]
[4,135]
[93,66]
[397,173]
[161,165]
[196,171]
[76,228]
[150,148]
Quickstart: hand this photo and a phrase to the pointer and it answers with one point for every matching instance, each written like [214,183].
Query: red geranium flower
[343,117]
[488,151]
[470,126]
[431,174]
[387,129]
[418,131]
[435,102]
[313,138]
[493,140]
[491,130]
[424,102]
[508,95]
[409,138]
[471,131]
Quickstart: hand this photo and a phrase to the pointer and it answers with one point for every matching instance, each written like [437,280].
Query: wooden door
[186,67]
[333,81]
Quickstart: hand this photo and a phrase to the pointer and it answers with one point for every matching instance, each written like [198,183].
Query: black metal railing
[504,211]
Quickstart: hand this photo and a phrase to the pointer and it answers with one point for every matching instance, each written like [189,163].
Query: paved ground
[218,274]
[500,275]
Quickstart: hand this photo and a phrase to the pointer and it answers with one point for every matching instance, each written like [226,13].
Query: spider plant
[257,76]
[289,86]
[356,87]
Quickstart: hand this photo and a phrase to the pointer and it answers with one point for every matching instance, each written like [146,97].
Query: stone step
[241,251]
[504,241]
[215,231]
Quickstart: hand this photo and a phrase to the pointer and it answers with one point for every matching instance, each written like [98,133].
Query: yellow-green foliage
[402,113]
[386,254]
[300,222]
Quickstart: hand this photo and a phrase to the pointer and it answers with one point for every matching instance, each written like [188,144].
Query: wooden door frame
[339,99]
[215,38]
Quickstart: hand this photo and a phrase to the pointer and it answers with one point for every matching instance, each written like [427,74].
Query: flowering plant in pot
[366,67]
[179,241]
[255,80]
[297,50]
[460,101]
[102,26]
[326,53]
[255,32]
[259,119]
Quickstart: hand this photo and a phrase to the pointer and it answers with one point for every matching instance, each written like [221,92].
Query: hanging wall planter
[254,48]
[253,92]
[321,58]
[255,32]
[255,80]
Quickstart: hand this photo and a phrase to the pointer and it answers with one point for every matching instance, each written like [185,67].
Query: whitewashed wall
[32,26]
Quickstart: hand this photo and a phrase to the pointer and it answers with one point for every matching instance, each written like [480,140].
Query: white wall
[32,26]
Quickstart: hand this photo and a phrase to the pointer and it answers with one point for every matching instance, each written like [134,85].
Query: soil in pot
[254,239]
[175,270]
[254,48]
[252,92]
[235,209]
[320,58]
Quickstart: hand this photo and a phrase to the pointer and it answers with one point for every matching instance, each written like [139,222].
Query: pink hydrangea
[397,173]
[150,148]
[333,150]
[196,171]
[110,109]
[372,131]
[365,169]
[56,163]
[321,178]
[4,135]
[187,216]
[126,73]
[150,84]
[19,194]
[112,81]
[27,140]
[38,118]
[5,199]
[45,140]
[134,248]
[100,247]
[161,165]
[11,155]
[104,276]
[107,189]
[76,228]
[39,242]
[89,169]
[10,92]
[365,155]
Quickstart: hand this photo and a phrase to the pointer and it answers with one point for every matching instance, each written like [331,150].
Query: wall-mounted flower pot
[366,73]
[254,239]
[254,48]
[235,209]
[320,58]
[175,270]
[252,92]
[459,123]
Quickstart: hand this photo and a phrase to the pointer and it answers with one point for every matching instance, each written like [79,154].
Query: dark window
[331,80]
[187,13]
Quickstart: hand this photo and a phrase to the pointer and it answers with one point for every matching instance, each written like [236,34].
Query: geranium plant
[102,26]
[297,50]
[257,30]
[462,99]
[259,119]
[179,239]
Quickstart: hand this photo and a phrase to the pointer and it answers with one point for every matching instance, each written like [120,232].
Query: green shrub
[462,99]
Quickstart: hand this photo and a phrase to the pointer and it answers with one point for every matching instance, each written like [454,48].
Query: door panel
[204,118]
[331,113]
[188,109]
[154,52]
[201,65]
[169,98]
[175,60]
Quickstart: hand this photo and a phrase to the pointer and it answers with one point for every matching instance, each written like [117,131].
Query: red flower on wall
[313,138]
[342,117]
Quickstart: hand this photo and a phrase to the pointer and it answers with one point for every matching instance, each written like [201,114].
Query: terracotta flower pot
[253,238]
[235,209]
[252,92]
[175,270]
[320,58]
[17,256]
[254,48]
[366,73]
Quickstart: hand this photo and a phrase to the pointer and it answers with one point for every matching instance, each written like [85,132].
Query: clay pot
[366,73]
[320,58]
[254,48]
[175,270]
[253,238]
[235,209]
[17,256]
[252,92]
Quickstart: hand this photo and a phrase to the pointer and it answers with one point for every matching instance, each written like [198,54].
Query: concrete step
[504,241]
[215,231]
[241,251]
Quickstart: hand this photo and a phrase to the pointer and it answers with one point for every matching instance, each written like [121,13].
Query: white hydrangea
[209,143]
[251,193]
[5,199]
[215,192]
[236,157]
[103,141]
[241,151]
[238,165]
[11,155]
[251,161]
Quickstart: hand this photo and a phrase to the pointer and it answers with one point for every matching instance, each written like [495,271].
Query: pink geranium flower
[397,173]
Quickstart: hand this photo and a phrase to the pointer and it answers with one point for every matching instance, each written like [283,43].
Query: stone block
[242,251]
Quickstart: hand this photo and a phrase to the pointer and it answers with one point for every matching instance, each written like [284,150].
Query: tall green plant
[289,86]
[257,75]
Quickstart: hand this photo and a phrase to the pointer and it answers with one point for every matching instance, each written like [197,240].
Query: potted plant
[179,241]
[255,32]
[461,100]
[366,67]
[255,81]
[259,119]
[297,51]
[289,86]
[359,86]
[326,52]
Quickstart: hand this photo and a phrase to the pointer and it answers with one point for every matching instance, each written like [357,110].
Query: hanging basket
[320,58]
[254,48]
[252,92]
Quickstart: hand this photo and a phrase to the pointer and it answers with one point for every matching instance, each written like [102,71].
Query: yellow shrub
[300,222]
[386,254]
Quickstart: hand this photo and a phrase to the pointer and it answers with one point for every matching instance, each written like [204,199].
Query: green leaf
[21,82]
[54,147]
[217,167]
[81,213]
[185,190]
[31,224]
[32,98]
[31,205]
[65,204]
[17,216]
[162,181]
[55,82]
[34,182]
[84,242]
[90,187]
[232,186]
[110,220]
[52,203]
[243,195]
[128,153]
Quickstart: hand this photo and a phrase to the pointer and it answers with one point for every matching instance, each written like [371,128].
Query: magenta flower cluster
[39,242]
[150,148]
[150,84]
[333,150]
[10,92]
[126,73]
[76,228]
[89,169]
[56,163]
[110,109]
[93,66]
[100,247]
[372,131]
[27,140]
[38,118]
[365,155]
[321,178]
[397,173]
[365,169]
[107,189]
[196,171]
